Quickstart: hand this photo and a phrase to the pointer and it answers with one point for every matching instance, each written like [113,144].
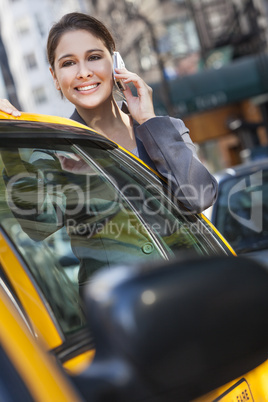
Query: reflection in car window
[174,227]
[242,212]
[72,209]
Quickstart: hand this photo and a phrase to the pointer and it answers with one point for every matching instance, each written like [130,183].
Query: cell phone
[119,63]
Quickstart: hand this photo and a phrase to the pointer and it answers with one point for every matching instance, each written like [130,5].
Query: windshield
[72,209]
[242,215]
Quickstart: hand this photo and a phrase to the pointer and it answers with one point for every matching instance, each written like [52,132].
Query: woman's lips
[86,87]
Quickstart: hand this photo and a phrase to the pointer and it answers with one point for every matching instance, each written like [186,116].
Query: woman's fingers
[128,77]
[7,107]
[141,106]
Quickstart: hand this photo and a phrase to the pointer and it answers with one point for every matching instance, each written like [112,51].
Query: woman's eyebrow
[72,55]
[64,56]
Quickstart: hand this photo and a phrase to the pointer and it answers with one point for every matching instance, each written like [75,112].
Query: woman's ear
[56,83]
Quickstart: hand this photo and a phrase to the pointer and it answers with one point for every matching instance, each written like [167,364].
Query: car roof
[242,169]
[42,118]
[29,123]
[55,127]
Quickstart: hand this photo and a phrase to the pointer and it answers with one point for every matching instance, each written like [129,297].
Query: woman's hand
[141,106]
[5,106]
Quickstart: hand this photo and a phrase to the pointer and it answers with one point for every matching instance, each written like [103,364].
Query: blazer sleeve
[168,143]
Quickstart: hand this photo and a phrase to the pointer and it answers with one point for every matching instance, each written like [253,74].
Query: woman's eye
[67,63]
[94,57]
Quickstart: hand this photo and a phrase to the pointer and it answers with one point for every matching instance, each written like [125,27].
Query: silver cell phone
[119,63]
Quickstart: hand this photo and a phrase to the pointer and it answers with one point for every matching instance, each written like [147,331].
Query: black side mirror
[175,331]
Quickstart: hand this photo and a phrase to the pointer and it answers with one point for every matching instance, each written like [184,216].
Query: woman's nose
[84,71]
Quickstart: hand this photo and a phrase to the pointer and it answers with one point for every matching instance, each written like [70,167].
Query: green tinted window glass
[242,213]
[73,209]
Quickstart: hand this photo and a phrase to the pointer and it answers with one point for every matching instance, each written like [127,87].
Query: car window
[71,209]
[242,212]
[174,227]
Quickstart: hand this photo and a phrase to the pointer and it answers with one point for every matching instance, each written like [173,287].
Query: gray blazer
[164,144]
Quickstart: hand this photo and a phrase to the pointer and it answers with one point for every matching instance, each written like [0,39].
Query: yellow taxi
[27,372]
[71,203]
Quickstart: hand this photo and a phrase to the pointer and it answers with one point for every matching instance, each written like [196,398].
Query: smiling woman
[80,51]
[83,75]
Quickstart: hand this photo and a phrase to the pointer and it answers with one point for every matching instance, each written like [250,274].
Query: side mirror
[178,330]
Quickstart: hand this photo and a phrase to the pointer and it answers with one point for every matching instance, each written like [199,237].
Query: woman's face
[83,69]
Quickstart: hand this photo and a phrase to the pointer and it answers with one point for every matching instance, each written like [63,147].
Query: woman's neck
[108,119]
[105,118]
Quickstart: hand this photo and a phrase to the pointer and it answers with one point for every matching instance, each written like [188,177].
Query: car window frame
[102,142]
[80,342]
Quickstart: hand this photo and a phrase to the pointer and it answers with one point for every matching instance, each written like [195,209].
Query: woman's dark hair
[73,22]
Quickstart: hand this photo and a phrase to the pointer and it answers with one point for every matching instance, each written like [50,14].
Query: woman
[80,52]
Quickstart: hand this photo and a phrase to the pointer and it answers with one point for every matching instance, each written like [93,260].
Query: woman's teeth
[87,88]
